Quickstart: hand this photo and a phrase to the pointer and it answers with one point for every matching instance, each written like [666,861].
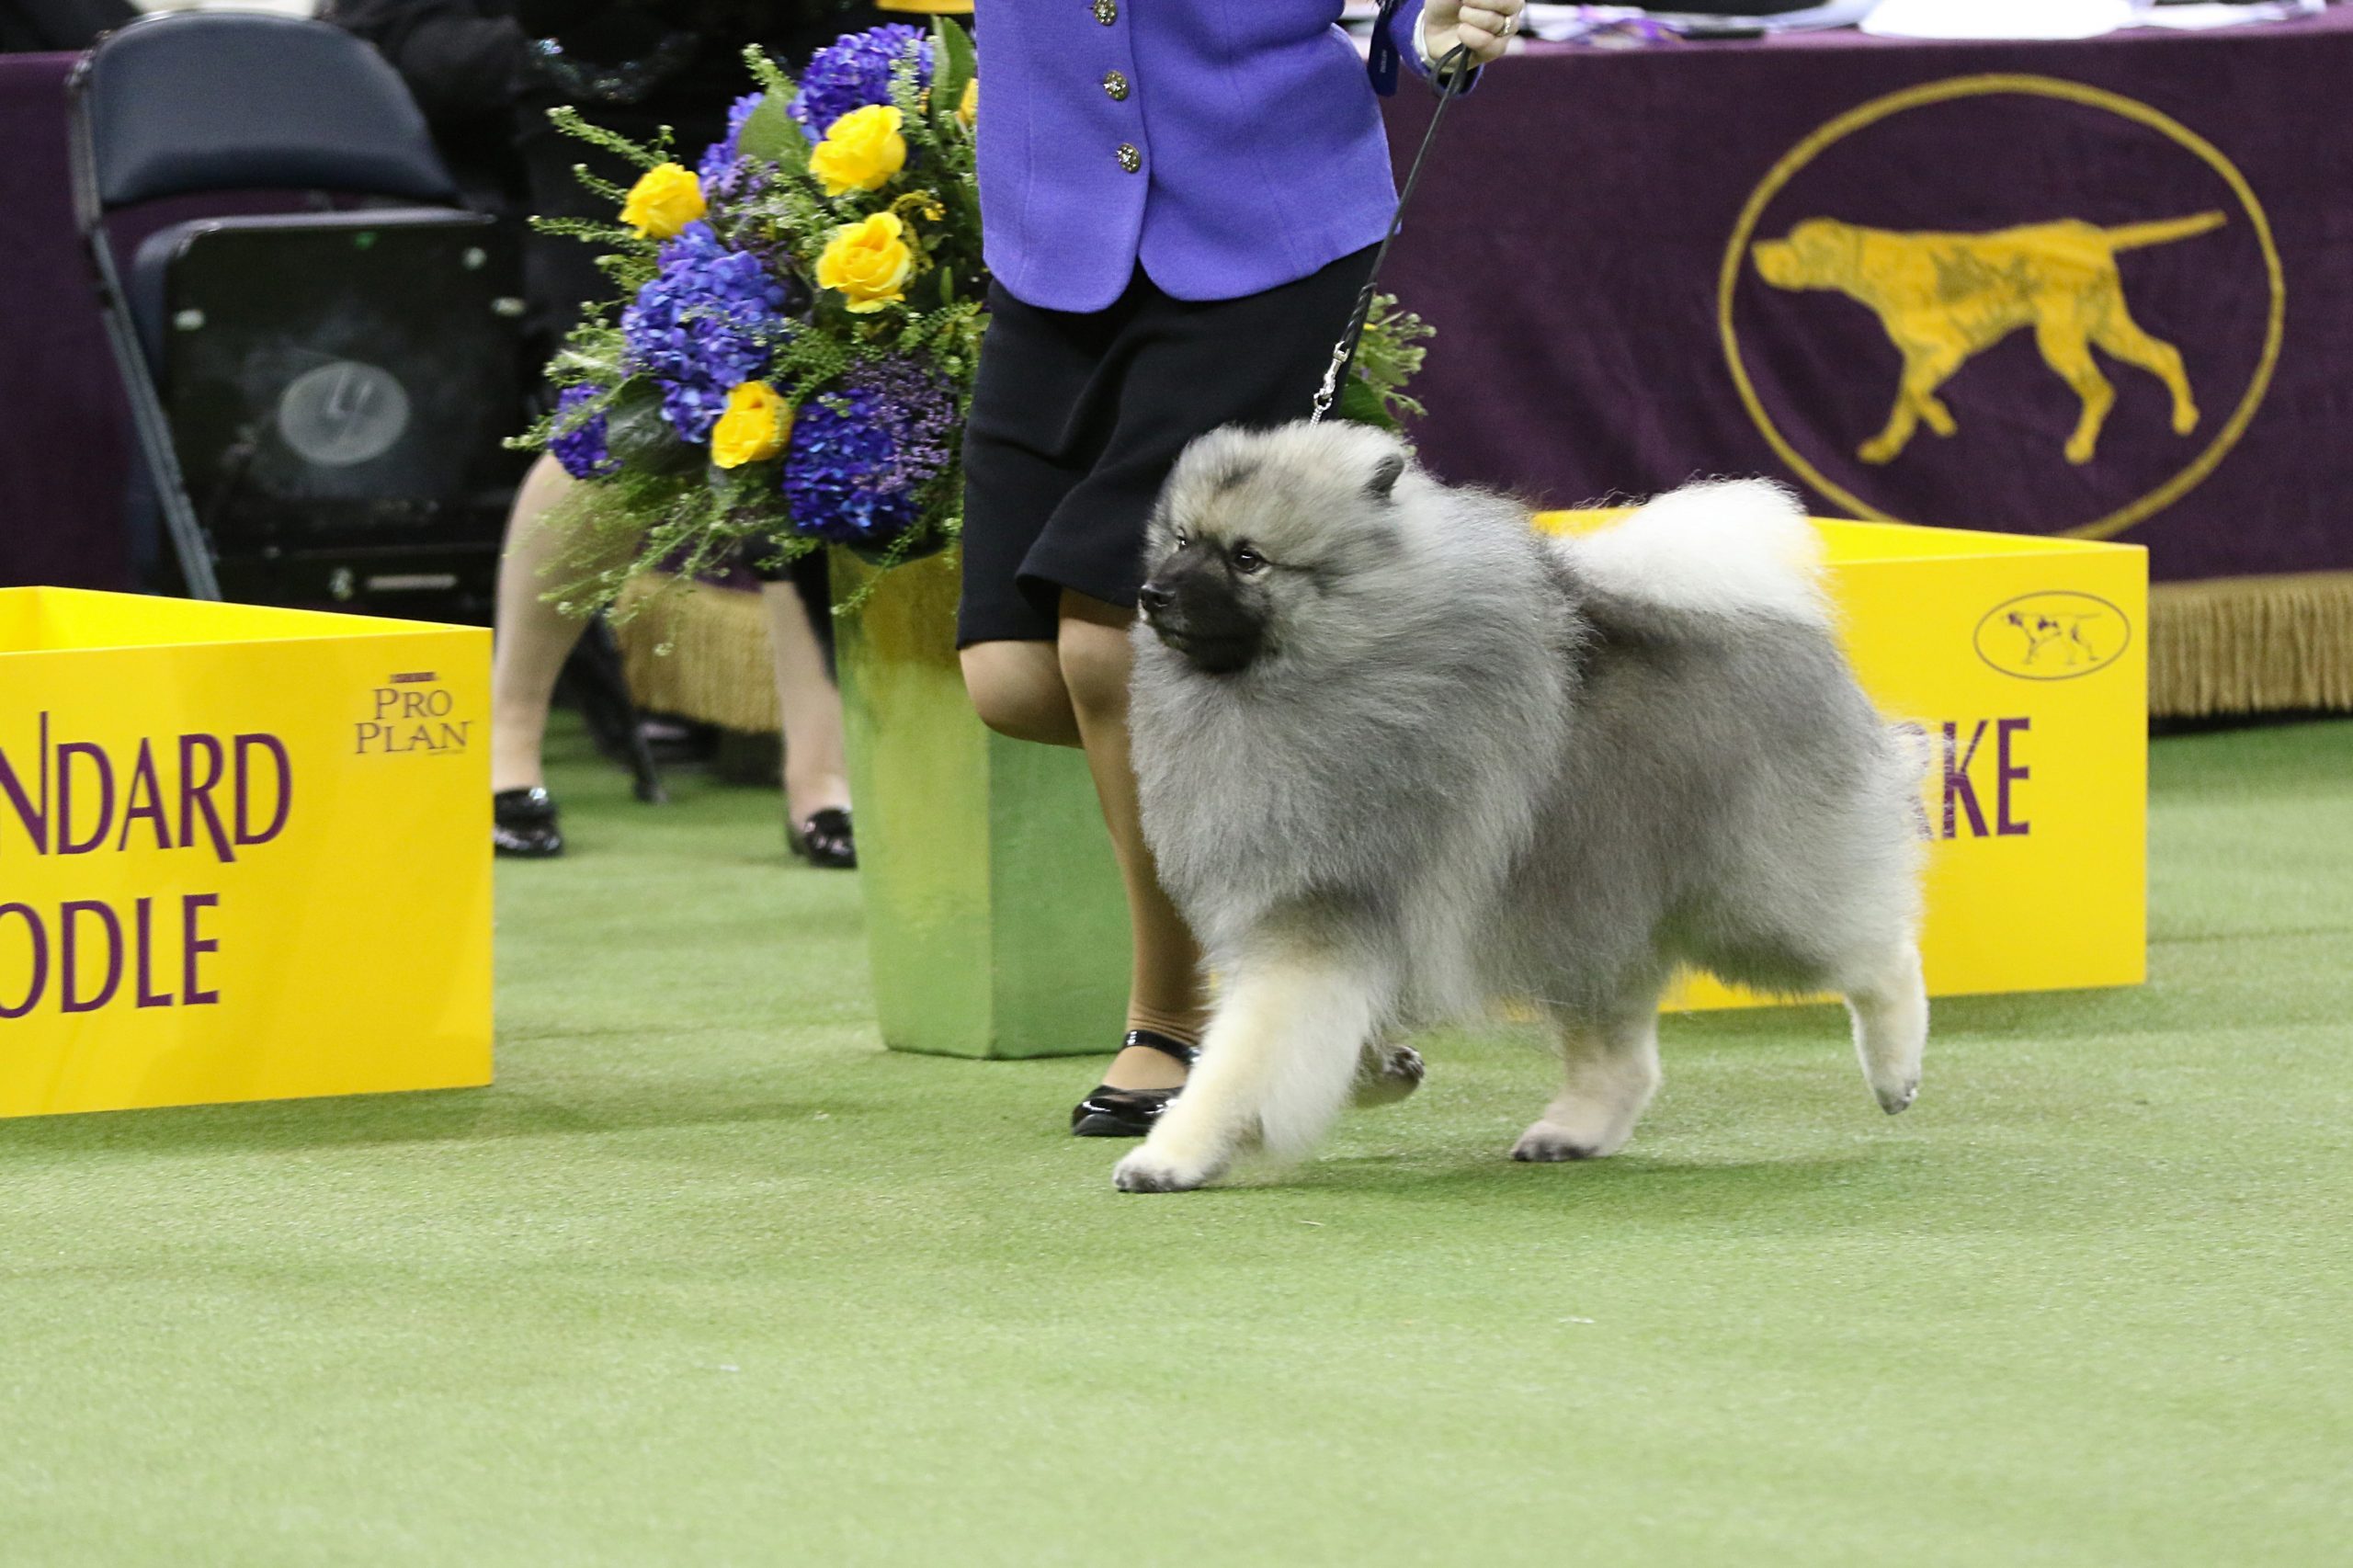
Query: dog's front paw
[1152,1170]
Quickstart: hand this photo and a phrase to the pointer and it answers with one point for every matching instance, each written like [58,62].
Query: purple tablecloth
[1581,245]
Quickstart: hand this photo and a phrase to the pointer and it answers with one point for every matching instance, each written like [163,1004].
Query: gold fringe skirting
[698,652]
[2251,645]
[2227,645]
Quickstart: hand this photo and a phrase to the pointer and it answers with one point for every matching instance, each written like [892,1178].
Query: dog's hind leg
[2121,336]
[1613,1071]
[1276,1067]
[1889,1001]
[2066,347]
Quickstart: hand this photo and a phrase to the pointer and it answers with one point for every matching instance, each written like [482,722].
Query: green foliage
[953,67]
[771,134]
[639,437]
[1388,356]
[568,120]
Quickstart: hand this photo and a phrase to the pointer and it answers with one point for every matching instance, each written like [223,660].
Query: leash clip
[1454,76]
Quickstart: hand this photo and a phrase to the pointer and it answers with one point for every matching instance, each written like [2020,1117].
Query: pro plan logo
[411,712]
[2053,636]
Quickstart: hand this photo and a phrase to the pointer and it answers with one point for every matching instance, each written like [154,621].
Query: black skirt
[1077,419]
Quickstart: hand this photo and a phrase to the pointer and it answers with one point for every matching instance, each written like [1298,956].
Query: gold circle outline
[1945,91]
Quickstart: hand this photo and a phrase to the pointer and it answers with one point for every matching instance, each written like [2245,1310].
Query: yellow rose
[665,199]
[861,149]
[868,262]
[970,109]
[755,429]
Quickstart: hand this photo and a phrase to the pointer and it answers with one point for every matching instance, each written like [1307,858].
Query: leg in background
[533,638]
[1612,1073]
[1167,992]
[816,774]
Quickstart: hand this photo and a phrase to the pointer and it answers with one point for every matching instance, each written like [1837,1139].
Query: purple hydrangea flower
[581,451]
[728,178]
[919,407]
[724,152]
[856,72]
[738,183]
[704,323]
[859,457]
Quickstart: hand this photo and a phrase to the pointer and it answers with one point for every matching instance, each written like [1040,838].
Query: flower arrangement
[799,317]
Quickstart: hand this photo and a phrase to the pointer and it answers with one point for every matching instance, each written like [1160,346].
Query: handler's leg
[1166,990]
[1016,688]
[1019,690]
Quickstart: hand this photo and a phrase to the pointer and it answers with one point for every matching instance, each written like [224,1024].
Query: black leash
[1454,79]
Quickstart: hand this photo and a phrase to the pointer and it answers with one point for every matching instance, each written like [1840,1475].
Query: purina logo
[412,713]
[2052,636]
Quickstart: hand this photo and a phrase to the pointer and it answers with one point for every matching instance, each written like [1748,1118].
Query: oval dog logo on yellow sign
[2053,636]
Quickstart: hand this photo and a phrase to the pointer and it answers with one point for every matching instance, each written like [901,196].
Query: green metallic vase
[993,909]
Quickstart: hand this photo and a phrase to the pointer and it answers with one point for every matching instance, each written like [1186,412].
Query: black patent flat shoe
[523,825]
[824,839]
[1129,1113]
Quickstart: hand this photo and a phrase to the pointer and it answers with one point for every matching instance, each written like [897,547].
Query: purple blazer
[1229,145]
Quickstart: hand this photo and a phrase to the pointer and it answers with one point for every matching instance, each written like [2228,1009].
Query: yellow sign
[244,853]
[1943,298]
[2016,669]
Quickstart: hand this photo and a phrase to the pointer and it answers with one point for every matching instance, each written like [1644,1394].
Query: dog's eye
[1182,542]
[1246,560]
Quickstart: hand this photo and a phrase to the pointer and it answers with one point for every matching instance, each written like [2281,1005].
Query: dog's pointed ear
[1385,476]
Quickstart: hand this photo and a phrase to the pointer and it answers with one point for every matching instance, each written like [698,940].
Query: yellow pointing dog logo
[1944,298]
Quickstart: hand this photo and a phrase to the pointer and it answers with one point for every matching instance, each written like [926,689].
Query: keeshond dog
[1402,757]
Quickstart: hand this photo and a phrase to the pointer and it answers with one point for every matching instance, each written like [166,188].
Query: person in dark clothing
[39,26]
[485,73]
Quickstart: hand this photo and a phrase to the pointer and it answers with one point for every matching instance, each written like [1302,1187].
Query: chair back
[196,101]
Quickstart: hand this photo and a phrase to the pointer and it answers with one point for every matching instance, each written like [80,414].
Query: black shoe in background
[523,825]
[825,840]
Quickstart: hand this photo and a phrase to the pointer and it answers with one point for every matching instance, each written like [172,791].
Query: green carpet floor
[710,1279]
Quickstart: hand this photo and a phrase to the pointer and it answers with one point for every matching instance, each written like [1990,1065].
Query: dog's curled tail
[1726,545]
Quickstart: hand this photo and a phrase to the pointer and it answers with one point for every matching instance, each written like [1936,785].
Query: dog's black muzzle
[1194,606]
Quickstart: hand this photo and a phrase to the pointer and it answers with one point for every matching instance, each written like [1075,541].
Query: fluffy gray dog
[1402,757]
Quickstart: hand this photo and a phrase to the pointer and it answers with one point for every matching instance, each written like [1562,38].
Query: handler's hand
[1485,26]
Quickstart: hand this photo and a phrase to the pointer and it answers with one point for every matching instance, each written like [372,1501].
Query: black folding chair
[319,396]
